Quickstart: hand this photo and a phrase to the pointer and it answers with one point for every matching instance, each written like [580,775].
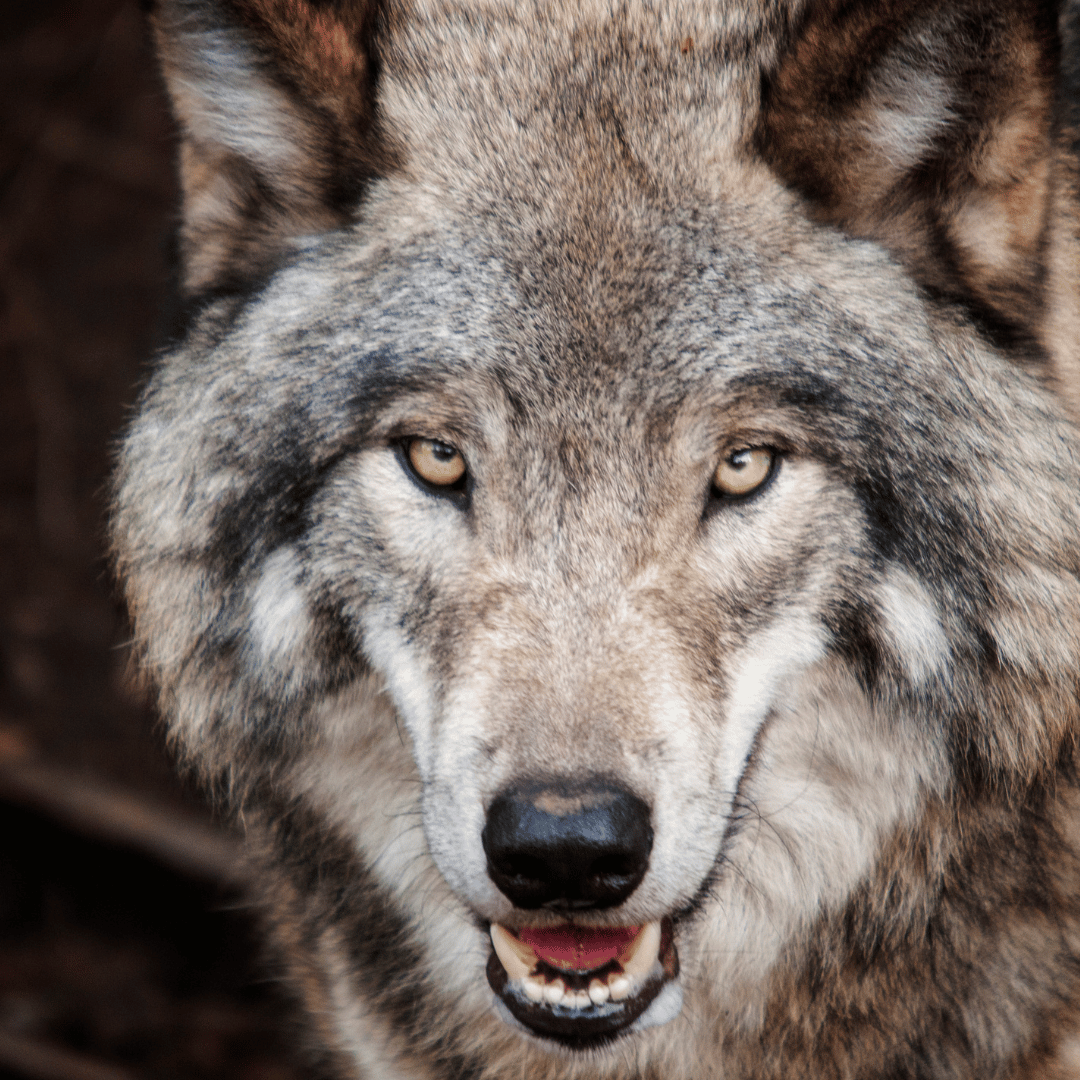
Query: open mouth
[584,985]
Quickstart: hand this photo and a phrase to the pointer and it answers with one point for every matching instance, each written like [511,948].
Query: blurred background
[126,949]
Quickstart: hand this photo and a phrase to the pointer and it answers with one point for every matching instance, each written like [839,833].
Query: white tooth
[515,955]
[619,987]
[554,991]
[581,999]
[598,992]
[639,958]
[534,988]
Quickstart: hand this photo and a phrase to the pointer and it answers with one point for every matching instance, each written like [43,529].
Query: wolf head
[625,443]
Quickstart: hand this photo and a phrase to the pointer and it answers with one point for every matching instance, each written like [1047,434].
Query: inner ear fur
[275,100]
[945,131]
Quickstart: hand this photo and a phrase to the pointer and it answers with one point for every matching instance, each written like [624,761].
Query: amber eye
[744,470]
[436,462]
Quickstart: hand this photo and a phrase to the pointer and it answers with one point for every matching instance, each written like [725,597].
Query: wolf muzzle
[566,848]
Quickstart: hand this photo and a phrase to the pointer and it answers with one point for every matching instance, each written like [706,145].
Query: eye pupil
[743,471]
[436,462]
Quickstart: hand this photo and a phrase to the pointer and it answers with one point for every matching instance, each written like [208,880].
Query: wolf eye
[744,471]
[435,462]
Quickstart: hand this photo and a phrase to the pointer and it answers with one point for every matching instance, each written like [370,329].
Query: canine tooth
[554,992]
[598,992]
[639,958]
[534,988]
[514,954]
[619,987]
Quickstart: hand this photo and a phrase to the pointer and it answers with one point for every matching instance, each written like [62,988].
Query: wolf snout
[567,846]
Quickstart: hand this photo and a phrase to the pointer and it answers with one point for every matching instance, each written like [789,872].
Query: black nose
[568,846]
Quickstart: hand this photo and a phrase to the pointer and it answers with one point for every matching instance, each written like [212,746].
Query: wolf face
[613,534]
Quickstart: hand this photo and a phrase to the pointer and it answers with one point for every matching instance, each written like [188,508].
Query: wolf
[608,526]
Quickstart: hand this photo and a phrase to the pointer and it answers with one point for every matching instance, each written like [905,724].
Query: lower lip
[581,1027]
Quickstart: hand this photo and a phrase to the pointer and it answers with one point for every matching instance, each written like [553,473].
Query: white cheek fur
[912,620]
[279,611]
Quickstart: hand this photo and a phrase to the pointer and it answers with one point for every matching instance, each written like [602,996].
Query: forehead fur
[597,97]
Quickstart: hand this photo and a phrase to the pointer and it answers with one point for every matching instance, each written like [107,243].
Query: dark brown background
[125,949]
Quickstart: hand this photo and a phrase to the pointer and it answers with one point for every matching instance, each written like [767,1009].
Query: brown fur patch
[931,130]
[247,195]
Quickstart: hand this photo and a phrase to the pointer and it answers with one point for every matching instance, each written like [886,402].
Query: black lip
[594,1025]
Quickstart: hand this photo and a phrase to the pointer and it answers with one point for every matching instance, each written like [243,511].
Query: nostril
[613,866]
[570,845]
[522,866]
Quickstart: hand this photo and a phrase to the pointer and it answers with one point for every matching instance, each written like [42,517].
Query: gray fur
[850,700]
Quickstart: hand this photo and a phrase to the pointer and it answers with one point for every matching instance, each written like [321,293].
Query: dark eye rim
[717,498]
[458,492]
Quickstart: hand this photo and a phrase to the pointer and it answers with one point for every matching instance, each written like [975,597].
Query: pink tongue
[578,948]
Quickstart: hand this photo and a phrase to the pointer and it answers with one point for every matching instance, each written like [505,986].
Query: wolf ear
[275,103]
[943,130]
